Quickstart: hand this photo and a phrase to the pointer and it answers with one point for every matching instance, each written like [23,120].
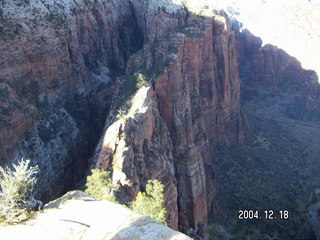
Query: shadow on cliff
[56,86]
[278,164]
[195,76]
[194,73]
[268,71]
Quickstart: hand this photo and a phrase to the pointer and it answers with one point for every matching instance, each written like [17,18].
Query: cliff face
[291,28]
[58,84]
[270,71]
[67,66]
[192,104]
[282,102]
[272,66]
[199,101]
[137,147]
[276,69]
[55,81]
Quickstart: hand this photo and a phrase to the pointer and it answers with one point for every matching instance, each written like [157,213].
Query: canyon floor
[276,169]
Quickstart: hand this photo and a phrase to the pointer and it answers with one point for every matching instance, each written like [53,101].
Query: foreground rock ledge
[77,216]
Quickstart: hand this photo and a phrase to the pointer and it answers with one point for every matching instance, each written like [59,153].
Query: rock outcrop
[292,26]
[137,147]
[194,103]
[269,70]
[56,66]
[70,73]
[273,66]
[281,74]
[77,216]
[58,81]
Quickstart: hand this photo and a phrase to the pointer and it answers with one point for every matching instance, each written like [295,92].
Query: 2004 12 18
[266,214]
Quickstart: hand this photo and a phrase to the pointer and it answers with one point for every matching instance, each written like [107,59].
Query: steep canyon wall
[57,61]
[58,77]
[68,93]
[193,102]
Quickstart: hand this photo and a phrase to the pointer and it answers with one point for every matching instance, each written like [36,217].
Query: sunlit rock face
[56,79]
[69,66]
[137,147]
[192,104]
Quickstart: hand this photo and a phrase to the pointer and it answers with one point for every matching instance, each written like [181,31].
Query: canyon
[71,100]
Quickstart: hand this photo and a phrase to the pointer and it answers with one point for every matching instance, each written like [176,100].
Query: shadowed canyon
[166,90]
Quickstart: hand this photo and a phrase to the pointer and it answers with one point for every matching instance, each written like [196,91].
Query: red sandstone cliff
[57,66]
[64,66]
[269,70]
[281,74]
[55,86]
[196,101]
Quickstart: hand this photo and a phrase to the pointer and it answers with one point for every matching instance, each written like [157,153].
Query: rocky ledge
[78,216]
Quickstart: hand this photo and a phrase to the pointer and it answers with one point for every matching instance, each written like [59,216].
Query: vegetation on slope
[151,203]
[16,191]
[269,172]
[99,185]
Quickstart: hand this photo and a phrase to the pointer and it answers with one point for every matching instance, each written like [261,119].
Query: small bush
[141,81]
[16,189]
[151,203]
[121,113]
[99,185]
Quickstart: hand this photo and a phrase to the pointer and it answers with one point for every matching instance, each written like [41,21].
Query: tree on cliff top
[151,202]
[16,189]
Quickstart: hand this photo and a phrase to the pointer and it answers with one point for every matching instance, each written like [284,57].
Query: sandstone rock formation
[77,216]
[60,63]
[289,24]
[69,97]
[55,81]
[138,147]
[281,74]
[269,70]
[193,104]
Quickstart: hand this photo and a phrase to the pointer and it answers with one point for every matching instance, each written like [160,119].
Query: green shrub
[151,202]
[121,113]
[16,189]
[99,185]
[141,81]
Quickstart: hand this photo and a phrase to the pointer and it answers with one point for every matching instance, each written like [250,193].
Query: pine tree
[151,202]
